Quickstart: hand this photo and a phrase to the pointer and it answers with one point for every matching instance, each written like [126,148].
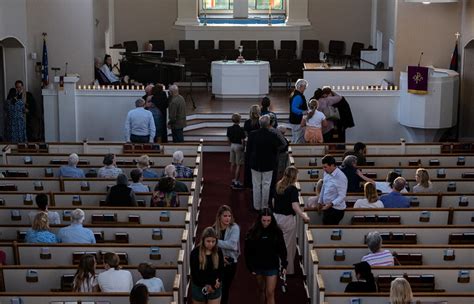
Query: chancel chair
[265,45]
[286,54]
[288,45]
[354,57]
[231,54]
[198,69]
[249,44]
[226,45]
[337,50]
[205,47]
[267,54]
[279,71]
[130,46]
[249,54]
[170,56]
[295,70]
[158,45]
[310,51]
[185,48]
[311,45]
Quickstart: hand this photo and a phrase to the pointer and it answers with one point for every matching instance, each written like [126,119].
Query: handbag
[332,113]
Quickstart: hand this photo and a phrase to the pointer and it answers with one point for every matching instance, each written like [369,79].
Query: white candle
[357,88]
[121,87]
[88,87]
[395,88]
[352,88]
[333,88]
[338,87]
[79,87]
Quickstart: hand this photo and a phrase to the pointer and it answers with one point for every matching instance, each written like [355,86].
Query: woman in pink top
[326,98]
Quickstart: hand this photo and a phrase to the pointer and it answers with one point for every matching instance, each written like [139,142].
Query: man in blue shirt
[140,126]
[75,233]
[395,199]
[70,169]
[298,108]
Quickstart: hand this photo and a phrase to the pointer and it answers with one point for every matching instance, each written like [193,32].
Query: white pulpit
[231,79]
[427,116]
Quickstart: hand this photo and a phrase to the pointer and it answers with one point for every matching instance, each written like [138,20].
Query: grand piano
[152,67]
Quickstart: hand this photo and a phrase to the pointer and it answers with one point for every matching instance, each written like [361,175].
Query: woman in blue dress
[15,109]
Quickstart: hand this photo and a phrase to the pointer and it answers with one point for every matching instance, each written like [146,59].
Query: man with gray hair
[395,199]
[177,114]
[298,108]
[262,148]
[182,171]
[139,125]
[377,256]
[70,170]
[76,233]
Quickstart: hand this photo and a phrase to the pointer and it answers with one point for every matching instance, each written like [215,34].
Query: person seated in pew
[85,279]
[353,174]
[106,69]
[182,171]
[394,199]
[387,185]
[371,199]
[70,170]
[137,179]
[143,163]
[39,231]
[109,170]
[423,181]
[139,294]
[365,279]
[42,203]
[114,279]
[76,233]
[400,292]
[149,278]
[121,195]
[164,194]
[360,150]
[170,171]
[377,256]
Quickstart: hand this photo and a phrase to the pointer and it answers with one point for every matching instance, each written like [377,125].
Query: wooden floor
[205,104]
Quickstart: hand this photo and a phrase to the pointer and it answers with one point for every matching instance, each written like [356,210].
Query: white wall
[101,25]
[13,19]
[425,28]
[70,29]
[386,23]
[346,20]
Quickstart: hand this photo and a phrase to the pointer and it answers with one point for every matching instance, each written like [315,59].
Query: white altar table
[231,79]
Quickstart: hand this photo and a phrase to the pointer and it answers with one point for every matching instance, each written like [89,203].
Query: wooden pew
[420,298]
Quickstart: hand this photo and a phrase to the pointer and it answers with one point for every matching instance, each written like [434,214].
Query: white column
[187,12]
[67,109]
[297,12]
[373,25]
[241,9]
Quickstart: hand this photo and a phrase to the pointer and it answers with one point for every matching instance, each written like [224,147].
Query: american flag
[44,64]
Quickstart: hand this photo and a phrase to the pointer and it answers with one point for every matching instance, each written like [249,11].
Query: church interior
[398,80]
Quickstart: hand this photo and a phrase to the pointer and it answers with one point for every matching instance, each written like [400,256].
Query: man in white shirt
[139,126]
[333,194]
[114,279]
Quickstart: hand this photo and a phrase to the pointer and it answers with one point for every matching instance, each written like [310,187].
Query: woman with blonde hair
[400,292]
[228,233]
[285,207]
[207,267]
[423,181]
[143,163]
[85,279]
[252,123]
[371,199]
[314,121]
[39,232]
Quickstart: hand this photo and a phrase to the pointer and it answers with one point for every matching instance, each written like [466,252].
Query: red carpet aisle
[217,191]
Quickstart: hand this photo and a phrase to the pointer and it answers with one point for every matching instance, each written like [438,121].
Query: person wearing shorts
[236,137]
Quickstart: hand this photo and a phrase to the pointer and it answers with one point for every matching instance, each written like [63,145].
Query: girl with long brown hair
[85,279]
[207,266]
[285,206]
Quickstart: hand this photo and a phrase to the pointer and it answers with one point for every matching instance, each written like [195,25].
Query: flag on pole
[44,64]
[454,59]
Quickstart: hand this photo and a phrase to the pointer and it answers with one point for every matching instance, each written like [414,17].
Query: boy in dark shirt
[236,136]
